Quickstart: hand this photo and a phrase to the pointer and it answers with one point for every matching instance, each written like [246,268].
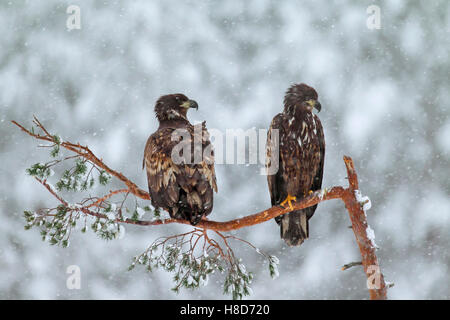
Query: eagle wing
[182,187]
[317,182]
[277,194]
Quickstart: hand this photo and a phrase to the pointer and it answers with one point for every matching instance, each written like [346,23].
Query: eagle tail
[195,218]
[294,227]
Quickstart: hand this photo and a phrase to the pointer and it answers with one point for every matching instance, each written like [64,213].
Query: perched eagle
[301,152]
[180,162]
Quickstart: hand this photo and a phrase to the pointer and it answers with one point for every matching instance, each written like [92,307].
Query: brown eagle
[301,153]
[180,162]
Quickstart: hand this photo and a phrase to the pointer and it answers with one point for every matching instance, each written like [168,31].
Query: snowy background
[384,94]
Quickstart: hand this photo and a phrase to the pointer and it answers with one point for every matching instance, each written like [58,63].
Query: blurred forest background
[384,94]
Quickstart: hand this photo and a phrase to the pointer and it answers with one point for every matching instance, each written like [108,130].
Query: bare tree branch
[360,227]
[351,264]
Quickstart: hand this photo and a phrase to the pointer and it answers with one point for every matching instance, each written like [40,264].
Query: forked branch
[351,197]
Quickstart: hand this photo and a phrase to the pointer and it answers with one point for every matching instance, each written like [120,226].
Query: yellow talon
[288,199]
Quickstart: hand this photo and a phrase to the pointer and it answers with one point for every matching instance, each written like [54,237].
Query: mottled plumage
[181,183]
[301,150]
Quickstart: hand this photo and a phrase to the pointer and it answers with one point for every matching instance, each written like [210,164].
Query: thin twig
[351,264]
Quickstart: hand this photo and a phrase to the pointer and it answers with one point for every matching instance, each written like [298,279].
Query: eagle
[179,160]
[301,152]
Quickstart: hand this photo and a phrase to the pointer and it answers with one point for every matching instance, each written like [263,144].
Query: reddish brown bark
[359,225]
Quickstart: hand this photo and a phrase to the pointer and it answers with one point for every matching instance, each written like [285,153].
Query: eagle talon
[289,200]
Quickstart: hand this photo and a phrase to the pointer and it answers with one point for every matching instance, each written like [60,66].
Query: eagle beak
[193,104]
[190,104]
[314,104]
[318,106]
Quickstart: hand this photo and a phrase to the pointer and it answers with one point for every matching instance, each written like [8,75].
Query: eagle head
[173,107]
[301,97]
